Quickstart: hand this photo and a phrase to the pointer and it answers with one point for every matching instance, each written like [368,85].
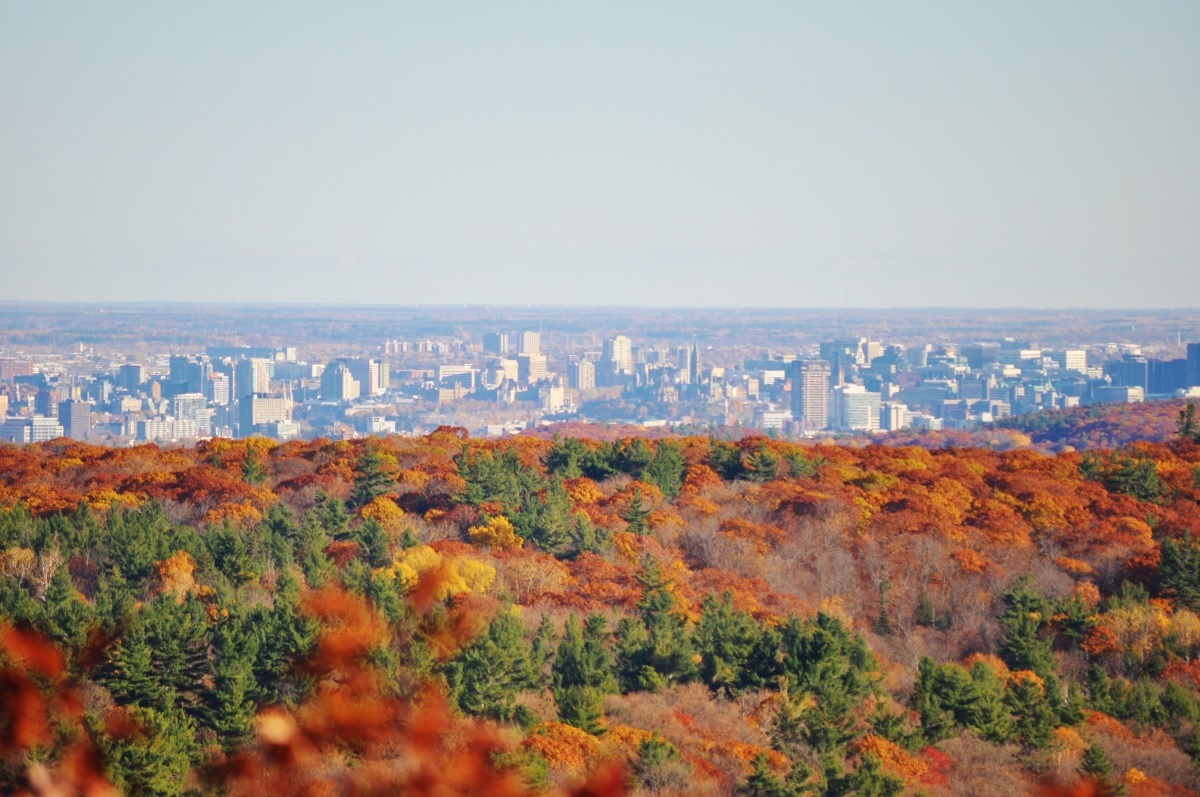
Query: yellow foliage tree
[498,534]
[384,511]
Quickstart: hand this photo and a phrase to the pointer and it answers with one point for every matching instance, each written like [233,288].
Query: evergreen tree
[254,470]
[374,542]
[67,618]
[1179,571]
[553,522]
[331,515]
[229,708]
[726,641]
[760,465]
[763,782]
[566,457]
[129,670]
[636,515]
[541,654]
[153,763]
[1025,616]
[1035,718]
[371,478]
[660,767]
[634,458]
[666,470]
[1189,428]
[1095,763]
[487,676]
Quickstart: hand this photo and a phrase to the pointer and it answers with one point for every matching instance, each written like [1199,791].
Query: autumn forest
[582,615]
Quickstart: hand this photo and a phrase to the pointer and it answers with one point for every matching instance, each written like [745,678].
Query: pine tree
[487,676]
[153,763]
[371,478]
[1035,719]
[1026,614]
[67,618]
[666,470]
[636,515]
[129,670]
[254,471]
[229,709]
[726,640]
[1095,763]
[1179,571]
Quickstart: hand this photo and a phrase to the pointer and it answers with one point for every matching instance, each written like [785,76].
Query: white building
[35,429]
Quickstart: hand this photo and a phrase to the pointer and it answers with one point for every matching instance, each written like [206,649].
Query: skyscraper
[810,393]
[583,375]
[76,419]
[618,355]
[529,342]
[495,343]
[1193,366]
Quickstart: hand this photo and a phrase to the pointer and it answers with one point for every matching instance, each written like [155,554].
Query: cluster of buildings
[503,382]
[857,385]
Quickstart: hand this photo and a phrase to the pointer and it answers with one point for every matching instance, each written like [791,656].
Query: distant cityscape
[507,380]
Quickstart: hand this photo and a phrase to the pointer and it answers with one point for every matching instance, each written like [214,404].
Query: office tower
[30,430]
[1166,376]
[76,419]
[1131,371]
[193,407]
[583,375]
[531,367]
[979,355]
[258,410]
[694,364]
[372,375]
[338,383]
[219,389]
[854,409]
[252,375]
[618,355]
[496,343]
[46,402]
[1193,366]
[131,377]
[810,393]
[529,343]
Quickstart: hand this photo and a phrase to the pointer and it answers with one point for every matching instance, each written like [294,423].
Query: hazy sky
[784,154]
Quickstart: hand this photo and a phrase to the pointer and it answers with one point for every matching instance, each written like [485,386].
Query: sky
[790,154]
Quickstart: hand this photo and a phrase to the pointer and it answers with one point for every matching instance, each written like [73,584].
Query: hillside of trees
[442,615]
[1100,426]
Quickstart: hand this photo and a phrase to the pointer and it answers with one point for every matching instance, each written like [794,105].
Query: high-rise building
[529,342]
[338,383]
[495,343]
[219,389]
[10,368]
[46,402]
[618,355]
[1166,376]
[76,419]
[258,410]
[531,368]
[810,393]
[583,375]
[372,375]
[131,377]
[1131,371]
[855,409]
[193,407]
[1193,366]
[252,375]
